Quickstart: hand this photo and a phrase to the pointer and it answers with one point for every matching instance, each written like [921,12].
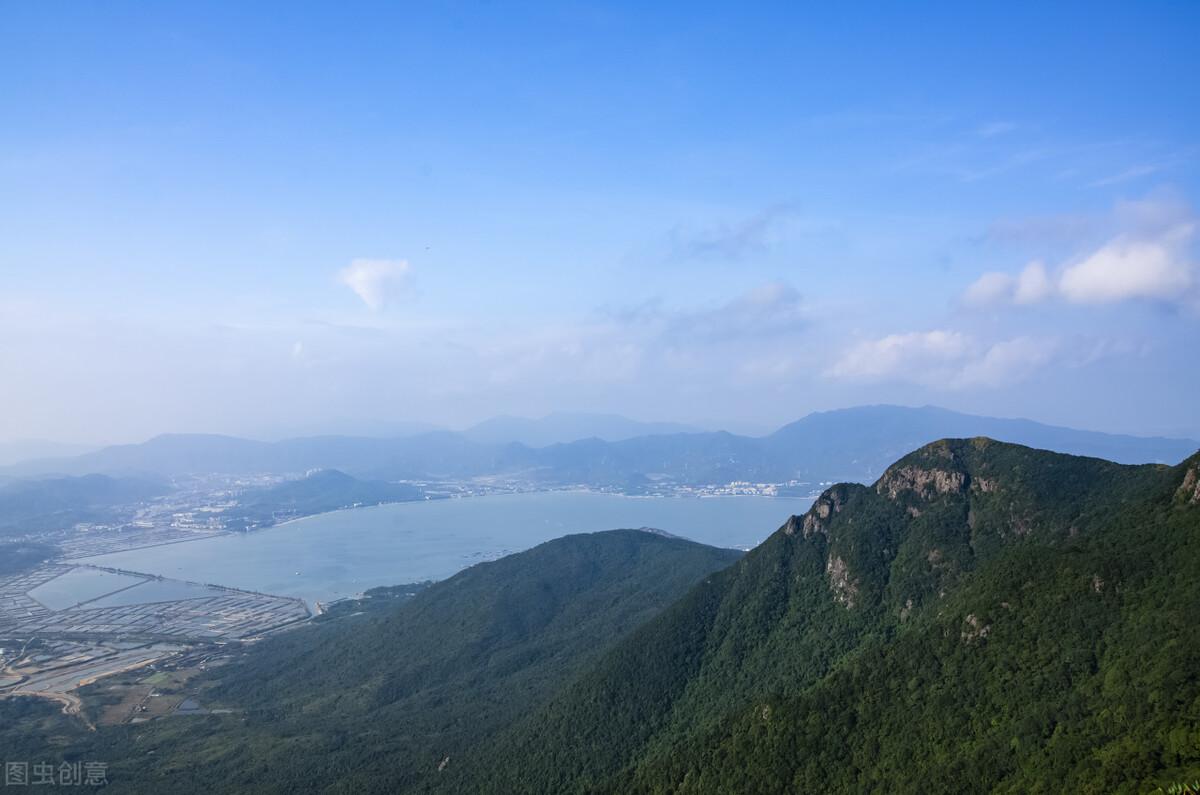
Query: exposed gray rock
[986,485]
[925,483]
[845,589]
[826,506]
[974,629]
[1190,488]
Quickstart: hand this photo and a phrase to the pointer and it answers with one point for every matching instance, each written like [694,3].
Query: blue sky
[302,217]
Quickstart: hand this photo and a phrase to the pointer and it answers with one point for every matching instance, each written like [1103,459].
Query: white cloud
[373,280]
[907,356]
[1033,285]
[945,359]
[1125,269]
[1151,260]
[992,287]
[1006,362]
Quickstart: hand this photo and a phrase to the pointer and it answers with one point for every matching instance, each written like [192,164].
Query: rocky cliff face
[1189,490]
[939,512]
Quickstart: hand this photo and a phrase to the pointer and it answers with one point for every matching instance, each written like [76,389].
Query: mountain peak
[942,467]
[816,519]
[950,506]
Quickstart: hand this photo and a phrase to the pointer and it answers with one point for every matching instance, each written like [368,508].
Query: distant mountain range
[18,450]
[850,444]
[563,427]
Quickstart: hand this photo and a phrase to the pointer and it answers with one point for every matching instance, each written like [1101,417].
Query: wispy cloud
[753,338]
[1051,230]
[995,128]
[906,354]
[1149,165]
[732,241]
[374,280]
[1132,173]
[772,309]
[944,359]
[1031,286]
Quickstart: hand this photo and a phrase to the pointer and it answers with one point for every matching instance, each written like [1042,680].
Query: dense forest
[986,616]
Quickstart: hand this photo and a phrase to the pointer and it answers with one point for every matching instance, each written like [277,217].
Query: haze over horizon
[264,222]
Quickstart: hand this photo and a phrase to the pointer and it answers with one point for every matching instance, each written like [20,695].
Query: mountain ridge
[847,444]
[560,427]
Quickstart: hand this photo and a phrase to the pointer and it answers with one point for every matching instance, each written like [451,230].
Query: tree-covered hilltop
[377,702]
[53,503]
[986,617]
[316,492]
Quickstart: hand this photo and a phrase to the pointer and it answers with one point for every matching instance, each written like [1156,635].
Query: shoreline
[571,490]
[727,534]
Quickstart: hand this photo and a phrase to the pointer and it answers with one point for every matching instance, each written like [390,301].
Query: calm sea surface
[344,553]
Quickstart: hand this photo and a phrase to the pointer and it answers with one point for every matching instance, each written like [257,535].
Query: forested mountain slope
[986,617]
[377,703]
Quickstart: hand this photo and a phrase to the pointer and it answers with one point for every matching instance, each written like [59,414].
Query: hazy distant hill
[18,450]
[562,427]
[859,443]
[325,490]
[851,444]
[59,502]
[439,453]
